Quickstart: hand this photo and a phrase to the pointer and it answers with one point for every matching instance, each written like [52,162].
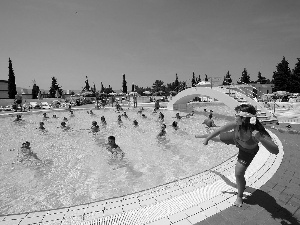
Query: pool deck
[272,197]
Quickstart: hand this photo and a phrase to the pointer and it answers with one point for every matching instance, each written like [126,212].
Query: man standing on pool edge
[247,133]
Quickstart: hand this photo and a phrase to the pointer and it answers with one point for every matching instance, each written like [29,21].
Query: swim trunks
[245,156]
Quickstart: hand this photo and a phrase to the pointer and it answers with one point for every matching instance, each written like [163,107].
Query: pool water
[77,168]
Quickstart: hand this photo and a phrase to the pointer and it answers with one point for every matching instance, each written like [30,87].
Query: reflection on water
[76,167]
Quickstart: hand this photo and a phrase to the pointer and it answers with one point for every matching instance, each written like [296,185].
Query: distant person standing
[157,106]
[134,101]
[18,101]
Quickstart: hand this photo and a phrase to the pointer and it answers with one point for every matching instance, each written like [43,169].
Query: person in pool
[209,122]
[246,133]
[27,153]
[45,116]
[125,115]
[103,121]
[161,116]
[90,112]
[177,116]
[162,130]
[120,122]
[135,123]
[113,147]
[175,125]
[95,126]
[190,114]
[63,125]
[41,127]
[18,118]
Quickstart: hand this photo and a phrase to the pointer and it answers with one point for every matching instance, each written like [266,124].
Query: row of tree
[284,79]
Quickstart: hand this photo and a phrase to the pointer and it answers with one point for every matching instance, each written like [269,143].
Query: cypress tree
[193,80]
[124,85]
[206,78]
[12,89]
[176,84]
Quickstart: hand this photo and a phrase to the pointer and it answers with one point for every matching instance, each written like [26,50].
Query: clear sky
[145,39]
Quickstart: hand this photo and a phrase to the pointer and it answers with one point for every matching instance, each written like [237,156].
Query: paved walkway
[276,202]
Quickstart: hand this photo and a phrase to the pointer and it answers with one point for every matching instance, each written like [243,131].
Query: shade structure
[203,84]
[87,93]
[147,92]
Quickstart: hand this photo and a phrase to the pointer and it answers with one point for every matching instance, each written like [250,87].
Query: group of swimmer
[246,132]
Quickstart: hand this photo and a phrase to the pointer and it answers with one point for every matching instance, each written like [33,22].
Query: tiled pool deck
[272,188]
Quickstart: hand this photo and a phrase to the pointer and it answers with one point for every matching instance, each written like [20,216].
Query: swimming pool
[78,167]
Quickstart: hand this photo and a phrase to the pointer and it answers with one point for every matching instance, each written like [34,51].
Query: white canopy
[203,84]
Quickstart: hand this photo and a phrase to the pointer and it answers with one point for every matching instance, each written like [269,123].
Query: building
[262,89]
[3,89]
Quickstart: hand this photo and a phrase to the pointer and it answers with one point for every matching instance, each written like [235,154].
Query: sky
[146,40]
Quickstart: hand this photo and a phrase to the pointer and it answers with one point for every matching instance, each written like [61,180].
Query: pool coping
[194,198]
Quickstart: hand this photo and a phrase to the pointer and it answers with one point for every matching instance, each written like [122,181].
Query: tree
[206,78]
[261,79]
[182,86]
[102,88]
[124,84]
[227,79]
[107,90]
[176,84]
[193,80]
[295,78]
[140,90]
[282,76]
[158,85]
[245,79]
[35,91]
[54,88]
[12,89]
[199,79]
[87,85]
